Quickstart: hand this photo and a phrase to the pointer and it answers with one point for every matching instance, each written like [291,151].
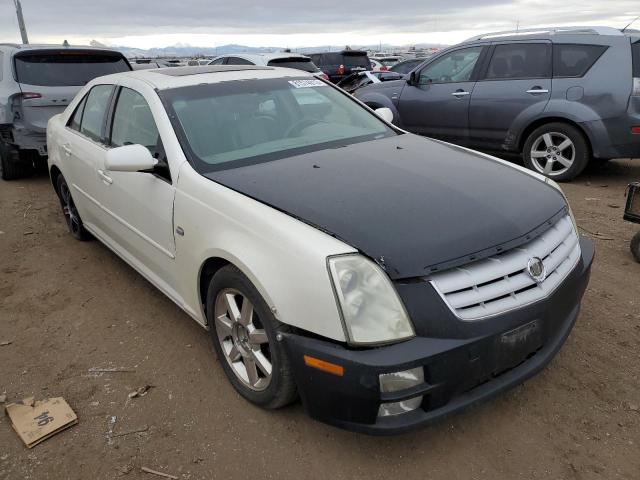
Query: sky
[289,23]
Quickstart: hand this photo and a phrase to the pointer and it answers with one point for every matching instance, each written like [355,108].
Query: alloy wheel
[243,339]
[553,153]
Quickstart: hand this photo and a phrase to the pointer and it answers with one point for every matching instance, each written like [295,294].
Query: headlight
[370,307]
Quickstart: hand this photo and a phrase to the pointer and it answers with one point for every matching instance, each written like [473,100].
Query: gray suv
[557,96]
[36,83]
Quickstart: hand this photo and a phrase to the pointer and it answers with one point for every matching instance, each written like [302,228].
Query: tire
[635,247]
[13,164]
[70,212]
[250,341]
[557,150]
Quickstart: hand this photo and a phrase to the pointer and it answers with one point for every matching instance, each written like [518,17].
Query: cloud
[113,19]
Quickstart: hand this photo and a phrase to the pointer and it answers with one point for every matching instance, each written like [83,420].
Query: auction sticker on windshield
[307,83]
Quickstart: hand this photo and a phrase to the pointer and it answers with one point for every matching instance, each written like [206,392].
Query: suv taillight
[30,95]
[636,86]
[341,70]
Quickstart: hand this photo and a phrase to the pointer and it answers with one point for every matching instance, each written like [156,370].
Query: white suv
[36,83]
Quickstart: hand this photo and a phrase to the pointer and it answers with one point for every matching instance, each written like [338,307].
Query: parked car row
[540,94]
[386,279]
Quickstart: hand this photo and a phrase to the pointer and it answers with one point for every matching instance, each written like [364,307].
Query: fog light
[393,382]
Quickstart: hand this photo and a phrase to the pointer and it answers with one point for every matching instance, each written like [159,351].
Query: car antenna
[630,23]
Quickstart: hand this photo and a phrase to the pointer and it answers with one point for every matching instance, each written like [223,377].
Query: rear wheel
[13,165]
[556,150]
[245,335]
[70,212]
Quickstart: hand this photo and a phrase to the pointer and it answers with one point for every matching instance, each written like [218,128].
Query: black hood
[412,204]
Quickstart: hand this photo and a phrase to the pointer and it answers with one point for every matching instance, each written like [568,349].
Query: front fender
[284,258]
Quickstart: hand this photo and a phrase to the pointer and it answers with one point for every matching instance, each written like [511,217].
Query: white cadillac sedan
[385,278]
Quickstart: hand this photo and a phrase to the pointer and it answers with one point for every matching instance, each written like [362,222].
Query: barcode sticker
[307,83]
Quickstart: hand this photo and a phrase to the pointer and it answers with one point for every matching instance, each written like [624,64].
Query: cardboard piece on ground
[36,422]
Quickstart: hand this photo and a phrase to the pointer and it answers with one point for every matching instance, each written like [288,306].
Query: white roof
[172,77]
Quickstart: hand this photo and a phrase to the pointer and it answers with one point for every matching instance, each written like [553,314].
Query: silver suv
[558,96]
[36,83]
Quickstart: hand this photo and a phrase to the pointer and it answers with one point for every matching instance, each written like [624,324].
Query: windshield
[66,68]
[231,124]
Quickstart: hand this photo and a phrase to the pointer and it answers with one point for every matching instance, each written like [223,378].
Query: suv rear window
[66,68]
[635,54]
[575,60]
[304,64]
[356,59]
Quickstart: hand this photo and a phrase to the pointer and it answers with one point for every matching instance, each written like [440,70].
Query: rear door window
[66,68]
[95,110]
[520,60]
[575,60]
[76,119]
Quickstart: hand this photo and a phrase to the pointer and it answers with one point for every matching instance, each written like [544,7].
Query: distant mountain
[183,50]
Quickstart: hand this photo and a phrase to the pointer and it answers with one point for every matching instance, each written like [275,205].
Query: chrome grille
[499,283]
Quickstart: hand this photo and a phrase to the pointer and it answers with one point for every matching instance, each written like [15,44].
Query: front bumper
[460,371]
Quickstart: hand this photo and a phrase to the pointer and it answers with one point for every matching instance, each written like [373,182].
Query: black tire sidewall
[635,247]
[581,145]
[281,390]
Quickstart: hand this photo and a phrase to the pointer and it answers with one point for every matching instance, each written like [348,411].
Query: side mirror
[129,158]
[384,113]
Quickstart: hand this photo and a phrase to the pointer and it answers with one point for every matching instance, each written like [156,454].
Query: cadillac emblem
[536,269]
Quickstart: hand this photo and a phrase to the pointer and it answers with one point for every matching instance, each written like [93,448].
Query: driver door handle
[537,90]
[105,178]
[66,148]
[460,93]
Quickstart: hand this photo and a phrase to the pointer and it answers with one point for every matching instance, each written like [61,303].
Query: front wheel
[246,337]
[556,150]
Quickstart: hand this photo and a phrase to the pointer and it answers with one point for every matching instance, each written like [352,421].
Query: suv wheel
[12,164]
[557,150]
[245,336]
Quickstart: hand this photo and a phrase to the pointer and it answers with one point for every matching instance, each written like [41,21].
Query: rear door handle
[105,178]
[460,93]
[536,90]
[66,148]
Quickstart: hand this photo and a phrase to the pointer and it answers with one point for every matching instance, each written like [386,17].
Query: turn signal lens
[323,365]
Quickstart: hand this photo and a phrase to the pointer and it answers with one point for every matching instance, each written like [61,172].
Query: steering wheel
[299,125]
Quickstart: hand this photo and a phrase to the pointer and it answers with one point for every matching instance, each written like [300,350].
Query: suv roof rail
[548,31]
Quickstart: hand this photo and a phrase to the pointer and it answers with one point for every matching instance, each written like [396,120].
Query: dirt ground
[67,307]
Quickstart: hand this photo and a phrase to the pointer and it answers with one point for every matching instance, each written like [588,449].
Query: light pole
[23,29]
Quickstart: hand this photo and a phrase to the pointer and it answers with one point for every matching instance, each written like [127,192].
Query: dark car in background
[339,65]
[559,97]
[406,66]
[36,83]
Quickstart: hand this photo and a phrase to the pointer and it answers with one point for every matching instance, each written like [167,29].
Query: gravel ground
[67,306]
